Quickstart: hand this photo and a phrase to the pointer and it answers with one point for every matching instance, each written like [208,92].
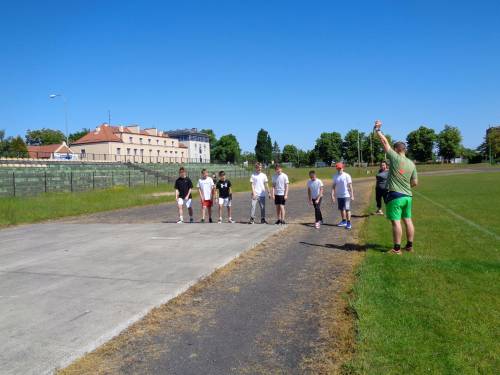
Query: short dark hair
[182,169]
[203,170]
[222,173]
[277,165]
[312,171]
[400,144]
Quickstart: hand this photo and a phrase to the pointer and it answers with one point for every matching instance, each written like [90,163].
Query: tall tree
[77,135]
[290,153]
[378,148]
[350,146]
[421,143]
[276,152]
[227,149]
[490,148]
[249,157]
[212,140]
[449,143]
[263,147]
[329,147]
[44,136]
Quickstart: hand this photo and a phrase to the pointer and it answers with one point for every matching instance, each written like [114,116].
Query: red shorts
[205,203]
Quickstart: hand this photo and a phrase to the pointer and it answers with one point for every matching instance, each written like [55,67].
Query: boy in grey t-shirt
[280,193]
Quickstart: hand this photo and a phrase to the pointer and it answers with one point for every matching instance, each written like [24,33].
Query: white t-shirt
[315,187]
[279,183]
[259,182]
[340,181]
[206,185]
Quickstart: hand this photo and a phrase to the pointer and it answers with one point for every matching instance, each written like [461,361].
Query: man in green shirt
[402,178]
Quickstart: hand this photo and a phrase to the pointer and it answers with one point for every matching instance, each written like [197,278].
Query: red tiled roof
[47,150]
[103,133]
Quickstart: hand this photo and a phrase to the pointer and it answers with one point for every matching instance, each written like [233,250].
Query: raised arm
[383,139]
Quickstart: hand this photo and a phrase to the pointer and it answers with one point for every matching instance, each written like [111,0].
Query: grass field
[436,311]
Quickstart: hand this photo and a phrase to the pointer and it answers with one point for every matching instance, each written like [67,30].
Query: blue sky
[295,68]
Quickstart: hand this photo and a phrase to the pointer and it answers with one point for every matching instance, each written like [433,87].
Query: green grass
[436,311]
[20,210]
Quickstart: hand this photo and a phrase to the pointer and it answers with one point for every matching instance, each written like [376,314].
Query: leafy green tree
[276,152]
[289,154]
[421,143]
[73,137]
[312,157]
[227,149]
[329,147]
[44,136]
[491,144]
[212,140]
[12,146]
[248,156]
[263,147]
[378,148]
[350,145]
[449,143]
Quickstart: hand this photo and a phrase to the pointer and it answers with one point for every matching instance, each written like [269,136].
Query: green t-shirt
[401,172]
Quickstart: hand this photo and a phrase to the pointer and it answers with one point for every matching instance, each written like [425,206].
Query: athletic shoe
[342,223]
[283,222]
[252,221]
[231,221]
[379,212]
[348,226]
[191,220]
[409,248]
[278,222]
[263,221]
[210,220]
[396,252]
[317,225]
[202,220]
[180,222]
[220,221]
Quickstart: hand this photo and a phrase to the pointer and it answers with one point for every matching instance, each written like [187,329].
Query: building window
[135,151]
[118,151]
[140,141]
[172,143]
[176,152]
[142,151]
[171,152]
[128,151]
[149,140]
[164,143]
[157,141]
[83,151]
[158,152]
[150,151]
[130,139]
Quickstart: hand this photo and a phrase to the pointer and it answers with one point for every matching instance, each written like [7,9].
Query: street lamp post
[53,96]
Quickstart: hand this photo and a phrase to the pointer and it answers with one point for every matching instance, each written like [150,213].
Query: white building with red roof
[58,151]
[130,143]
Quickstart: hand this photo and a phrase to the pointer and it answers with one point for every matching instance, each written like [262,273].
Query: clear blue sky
[295,68]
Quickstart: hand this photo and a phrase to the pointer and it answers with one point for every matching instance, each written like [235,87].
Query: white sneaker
[231,221]
[180,222]
[220,221]
[317,225]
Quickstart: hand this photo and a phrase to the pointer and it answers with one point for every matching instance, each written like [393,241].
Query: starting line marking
[465,220]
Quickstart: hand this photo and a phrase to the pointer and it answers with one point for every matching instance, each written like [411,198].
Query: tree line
[424,145]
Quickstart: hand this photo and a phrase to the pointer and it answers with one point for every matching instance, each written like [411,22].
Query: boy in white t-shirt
[315,194]
[342,190]
[280,193]
[206,188]
[259,188]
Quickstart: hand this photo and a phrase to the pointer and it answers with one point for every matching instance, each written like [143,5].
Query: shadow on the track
[312,224]
[350,246]
[360,216]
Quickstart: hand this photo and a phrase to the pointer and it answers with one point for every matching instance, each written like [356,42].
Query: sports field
[436,311]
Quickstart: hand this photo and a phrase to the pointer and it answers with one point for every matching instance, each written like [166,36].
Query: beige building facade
[130,144]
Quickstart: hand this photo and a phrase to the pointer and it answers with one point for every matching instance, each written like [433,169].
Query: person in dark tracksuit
[381,187]
[315,194]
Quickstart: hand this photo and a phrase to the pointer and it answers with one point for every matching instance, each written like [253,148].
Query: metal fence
[25,183]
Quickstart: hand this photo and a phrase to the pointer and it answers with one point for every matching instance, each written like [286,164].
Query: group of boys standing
[221,192]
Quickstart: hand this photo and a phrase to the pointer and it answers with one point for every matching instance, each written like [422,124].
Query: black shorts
[344,204]
[279,199]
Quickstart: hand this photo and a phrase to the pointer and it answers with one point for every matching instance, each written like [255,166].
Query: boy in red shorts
[206,188]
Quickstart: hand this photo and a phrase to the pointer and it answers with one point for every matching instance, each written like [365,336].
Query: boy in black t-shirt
[224,195]
[183,187]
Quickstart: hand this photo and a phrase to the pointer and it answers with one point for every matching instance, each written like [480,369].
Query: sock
[181,218]
[397,246]
[409,244]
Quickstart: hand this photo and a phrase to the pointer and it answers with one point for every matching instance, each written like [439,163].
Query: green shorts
[399,208]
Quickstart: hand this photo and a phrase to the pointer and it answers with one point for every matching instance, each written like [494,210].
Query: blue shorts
[344,204]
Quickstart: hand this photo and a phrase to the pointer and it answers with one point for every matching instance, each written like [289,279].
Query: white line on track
[465,220]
